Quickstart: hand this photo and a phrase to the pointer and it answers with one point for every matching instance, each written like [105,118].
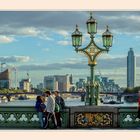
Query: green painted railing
[72,117]
[25,117]
[127,117]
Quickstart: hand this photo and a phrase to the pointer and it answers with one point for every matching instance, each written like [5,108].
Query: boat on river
[22,97]
[113,102]
[110,100]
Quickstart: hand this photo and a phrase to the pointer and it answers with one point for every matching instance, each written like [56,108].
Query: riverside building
[5,79]
[58,82]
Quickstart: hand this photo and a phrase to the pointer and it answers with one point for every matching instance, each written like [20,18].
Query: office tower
[40,86]
[50,83]
[25,84]
[63,82]
[5,79]
[71,79]
[57,82]
[81,84]
[131,69]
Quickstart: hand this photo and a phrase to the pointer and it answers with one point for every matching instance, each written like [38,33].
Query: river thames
[68,102]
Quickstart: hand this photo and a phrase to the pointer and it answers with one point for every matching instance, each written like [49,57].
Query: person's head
[56,93]
[38,98]
[47,93]
[43,99]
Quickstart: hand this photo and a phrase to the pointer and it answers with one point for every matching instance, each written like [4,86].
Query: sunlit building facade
[25,84]
[58,82]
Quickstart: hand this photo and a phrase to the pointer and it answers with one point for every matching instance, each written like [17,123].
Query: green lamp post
[92,51]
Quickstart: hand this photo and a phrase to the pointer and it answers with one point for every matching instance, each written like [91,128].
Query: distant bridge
[70,92]
[9,95]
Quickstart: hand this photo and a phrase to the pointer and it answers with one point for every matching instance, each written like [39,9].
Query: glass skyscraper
[131,69]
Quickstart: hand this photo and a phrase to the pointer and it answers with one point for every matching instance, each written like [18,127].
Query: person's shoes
[45,126]
[55,127]
[58,127]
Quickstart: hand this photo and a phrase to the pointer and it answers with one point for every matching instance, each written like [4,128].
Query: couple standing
[50,110]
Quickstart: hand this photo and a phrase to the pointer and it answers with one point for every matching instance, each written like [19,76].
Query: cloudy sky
[40,43]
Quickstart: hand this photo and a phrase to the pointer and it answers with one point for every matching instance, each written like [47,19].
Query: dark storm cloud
[120,21]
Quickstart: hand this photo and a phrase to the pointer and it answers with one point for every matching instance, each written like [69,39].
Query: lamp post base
[89,101]
[92,96]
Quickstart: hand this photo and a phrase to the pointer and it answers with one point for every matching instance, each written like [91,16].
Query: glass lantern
[76,38]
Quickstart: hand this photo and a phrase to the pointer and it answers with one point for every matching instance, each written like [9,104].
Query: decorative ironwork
[129,119]
[18,119]
[93,119]
[25,117]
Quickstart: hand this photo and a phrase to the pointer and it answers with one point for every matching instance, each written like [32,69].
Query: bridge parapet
[127,117]
[24,117]
[72,117]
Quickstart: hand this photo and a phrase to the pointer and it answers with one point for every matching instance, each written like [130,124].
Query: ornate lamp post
[92,51]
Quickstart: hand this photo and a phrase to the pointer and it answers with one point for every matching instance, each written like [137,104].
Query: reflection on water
[68,102]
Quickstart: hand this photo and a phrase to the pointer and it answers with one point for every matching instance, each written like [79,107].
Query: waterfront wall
[72,117]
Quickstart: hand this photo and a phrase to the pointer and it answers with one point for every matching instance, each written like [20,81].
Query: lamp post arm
[92,51]
[92,43]
[99,48]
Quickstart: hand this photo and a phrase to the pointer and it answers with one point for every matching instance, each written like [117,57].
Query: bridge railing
[72,117]
[25,117]
[128,117]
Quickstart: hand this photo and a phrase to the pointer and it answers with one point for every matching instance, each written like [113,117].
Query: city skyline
[40,43]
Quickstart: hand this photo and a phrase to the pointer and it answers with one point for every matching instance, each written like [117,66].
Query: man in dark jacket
[60,101]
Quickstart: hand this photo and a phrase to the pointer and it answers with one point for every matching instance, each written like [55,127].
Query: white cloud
[64,43]
[30,31]
[14,59]
[44,34]
[45,37]
[108,56]
[137,37]
[6,39]
[133,17]
[46,49]
[74,60]
[22,58]
[63,33]
[25,31]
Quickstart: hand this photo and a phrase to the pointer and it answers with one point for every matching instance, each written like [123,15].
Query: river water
[68,102]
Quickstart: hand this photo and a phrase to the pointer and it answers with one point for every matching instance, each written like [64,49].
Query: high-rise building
[57,82]
[63,82]
[25,84]
[81,84]
[71,79]
[5,79]
[50,83]
[131,69]
[40,86]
